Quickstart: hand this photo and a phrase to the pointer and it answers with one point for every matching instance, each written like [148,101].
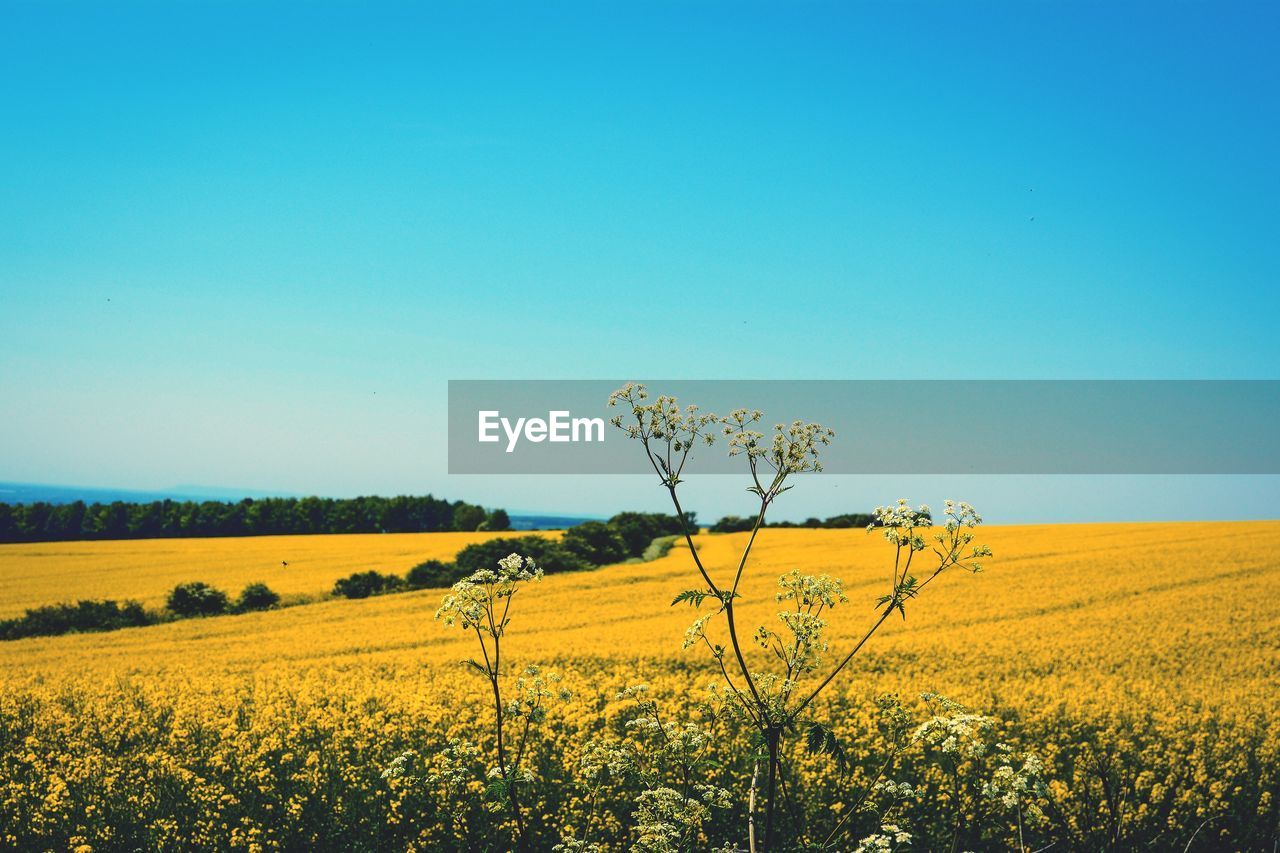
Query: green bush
[738,524]
[551,556]
[639,529]
[257,596]
[596,542]
[365,584]
[468,517]
[851,519]
[433,574]
[197,599]
[732,524]
[497,520]
[57,619]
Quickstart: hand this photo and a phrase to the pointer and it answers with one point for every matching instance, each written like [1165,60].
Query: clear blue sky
[247,244]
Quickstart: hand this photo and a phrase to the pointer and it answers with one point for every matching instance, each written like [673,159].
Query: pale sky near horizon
[246,245]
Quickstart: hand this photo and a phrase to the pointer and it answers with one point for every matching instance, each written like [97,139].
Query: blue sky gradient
[247,244]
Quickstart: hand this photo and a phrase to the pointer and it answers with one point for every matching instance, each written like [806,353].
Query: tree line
[738,523]
[46,522]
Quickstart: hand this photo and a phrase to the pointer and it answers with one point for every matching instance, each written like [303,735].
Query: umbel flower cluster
[471,603]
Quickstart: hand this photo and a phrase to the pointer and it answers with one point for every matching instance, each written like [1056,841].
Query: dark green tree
[257,596]
[498,520]
[197,599]
[433,574]
[595,542]
[468,517]
[365,584]
[551,556]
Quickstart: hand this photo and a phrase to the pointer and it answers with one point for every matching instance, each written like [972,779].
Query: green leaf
[496,791]
[821,739]
[694,597]
[816,738]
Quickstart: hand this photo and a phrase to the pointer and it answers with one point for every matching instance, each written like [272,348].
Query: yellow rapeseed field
[35,574]
[1145,657]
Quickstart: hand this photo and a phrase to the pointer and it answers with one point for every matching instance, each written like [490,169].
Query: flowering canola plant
[1137,662]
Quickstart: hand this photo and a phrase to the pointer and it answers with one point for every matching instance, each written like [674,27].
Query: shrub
[365,584]
[733,524]
[57,619]
[468,517]
[596,542]
[849,519]
[737,524]
[433,574]
[551,556]
[639,529]
[257,596]
[197,599]
[497,520]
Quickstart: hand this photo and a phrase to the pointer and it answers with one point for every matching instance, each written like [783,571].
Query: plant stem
[508,774]
[726,600]
[751,807]
[771,789]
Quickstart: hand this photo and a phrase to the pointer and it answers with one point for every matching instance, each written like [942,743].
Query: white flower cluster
[955,731]
[802,650]
[470,602]
[453,768]
[521,774]
[401,767]
[960,514]
[1012,787]
[902,525]
[742,439]
[961,518]
[658,754]
[663,420]
[894,790]
[603,759]
[696,631]
[577,845]
[664,817]
[805,651]
[810,590]
[669,431]
[450,767]
[796,446]
[532,688]
[899,523]
[793,449]
[890,837]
